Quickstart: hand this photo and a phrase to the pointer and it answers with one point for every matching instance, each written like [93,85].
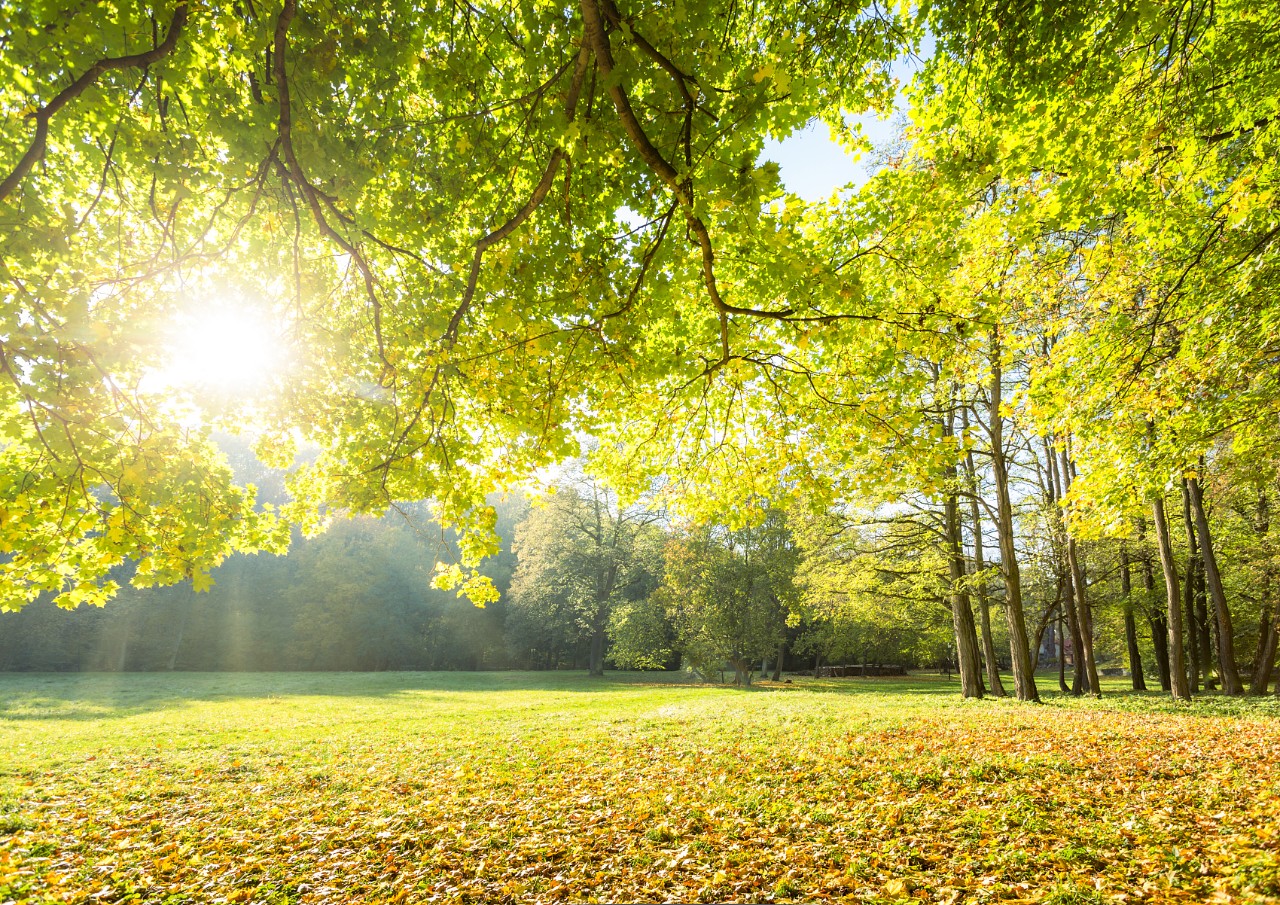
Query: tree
[485,233]
[483,228]
[580,555]
[729,592]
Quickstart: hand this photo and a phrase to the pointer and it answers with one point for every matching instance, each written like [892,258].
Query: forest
[585,582]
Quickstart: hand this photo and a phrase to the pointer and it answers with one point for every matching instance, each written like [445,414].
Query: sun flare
[227,349]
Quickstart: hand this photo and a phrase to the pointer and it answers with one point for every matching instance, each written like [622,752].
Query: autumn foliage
[520,788]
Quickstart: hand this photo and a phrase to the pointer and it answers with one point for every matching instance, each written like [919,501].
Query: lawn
[522,787]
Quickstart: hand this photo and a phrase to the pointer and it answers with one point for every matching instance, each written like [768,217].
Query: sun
[224,348]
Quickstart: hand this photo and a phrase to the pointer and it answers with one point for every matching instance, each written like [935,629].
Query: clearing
[524,787]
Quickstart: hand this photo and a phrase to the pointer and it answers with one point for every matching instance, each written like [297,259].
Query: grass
[521,787]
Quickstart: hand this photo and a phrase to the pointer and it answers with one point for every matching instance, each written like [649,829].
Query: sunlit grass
[547,787]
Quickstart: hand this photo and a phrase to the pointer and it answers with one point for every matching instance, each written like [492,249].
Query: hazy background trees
[587,581]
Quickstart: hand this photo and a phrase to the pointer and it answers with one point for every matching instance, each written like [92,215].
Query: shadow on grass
[111,696]
[108,696]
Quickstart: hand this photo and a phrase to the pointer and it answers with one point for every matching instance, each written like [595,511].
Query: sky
[813,166]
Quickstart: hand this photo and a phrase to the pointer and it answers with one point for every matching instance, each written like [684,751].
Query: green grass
[412,787]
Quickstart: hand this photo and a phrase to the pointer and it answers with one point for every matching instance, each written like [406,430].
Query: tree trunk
[596,664]
[1264,657]
[1264,661]
[1082,615]
[182,631]
[979,566]
[1079,679]
[782,656]
[1205,629]
[1159,627]
[1062,655]
[1137,679]
[1177,662]
[1085,652]
[1197,647]
[1226,640]
[1038,642]
[961,609]
[1024,678]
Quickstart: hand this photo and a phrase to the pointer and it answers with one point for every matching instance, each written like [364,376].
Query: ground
[522,787]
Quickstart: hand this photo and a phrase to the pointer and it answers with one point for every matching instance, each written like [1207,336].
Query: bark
[778,664]
[1062,658]
[1024,679]
[979,566]
[1231,683]
[1038,641]
[1085,652]
[1160,642]
[1264,661]
[1197,647]
[1264,657]
[1177,660]
[596,663]
[961,608]
[1159,627]
[182,631]
[1079,680]
[969,663]
[1208,629]
[1138,680]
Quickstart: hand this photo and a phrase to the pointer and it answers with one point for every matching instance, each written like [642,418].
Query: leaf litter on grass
[616,791]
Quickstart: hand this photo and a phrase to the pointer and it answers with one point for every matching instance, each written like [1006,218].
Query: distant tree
[729,592]
[580,554]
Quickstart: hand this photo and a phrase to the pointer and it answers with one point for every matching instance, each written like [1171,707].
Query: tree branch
[35,151]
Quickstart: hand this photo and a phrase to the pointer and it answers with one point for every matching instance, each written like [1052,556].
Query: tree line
[587,582]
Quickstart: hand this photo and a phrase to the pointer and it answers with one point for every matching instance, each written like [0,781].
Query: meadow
[524,787]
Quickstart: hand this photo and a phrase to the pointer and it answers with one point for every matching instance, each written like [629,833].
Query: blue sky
[813,166]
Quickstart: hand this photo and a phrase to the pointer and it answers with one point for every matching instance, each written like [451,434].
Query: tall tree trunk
[1264,661]
[1177,661]
[961,609]
[182,630]
[1226,639]
[778,664]
[596,663]
[1085,652]
[1264,657]
[1079,679]
[1062,655]
[1197,647]
[1159,627]
[1024,679]
[1207,629]
[1138,680]
[979,566]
